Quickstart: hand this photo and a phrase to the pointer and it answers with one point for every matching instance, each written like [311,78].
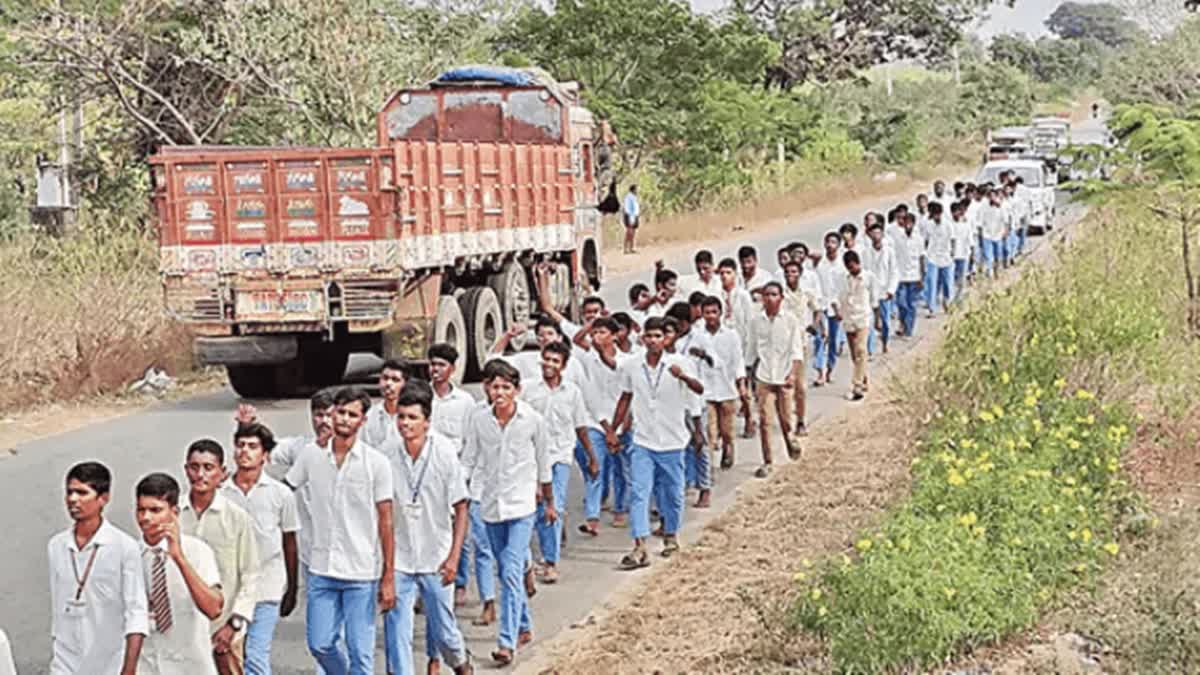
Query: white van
[1037,178]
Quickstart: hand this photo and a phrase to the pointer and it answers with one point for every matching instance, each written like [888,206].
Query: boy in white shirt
[802,301]
[666,291]
[656,390]
[832,273]
[753,277]
[939,254]
[910,260]
[993,223]
[272,509]
[507,460]
[431,526]
[736,309]
[693,343]
[705,280]
[963,238]
[640,300]
[857,309]
[777,352]
[723,383]
[98,602]
[561,405]
[879,258]
[601,358]
[529,362]
[183,585]
[450,403]
[352,568]
[380,425]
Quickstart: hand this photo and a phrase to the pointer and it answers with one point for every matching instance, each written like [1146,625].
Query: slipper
[726,461]
[670,549]
[587,529]
[524,638]
[630,562]
[658,532]
[763,471]
[502,656]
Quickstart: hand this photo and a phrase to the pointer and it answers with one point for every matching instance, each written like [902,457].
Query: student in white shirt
[183,585]
[640,300]
[693,343]
[450,403]
[1024,197]
[207,515]
[705,280]
[910,259]
[529,363]
[939,253]
[380,425]
[737,307]
[993,224]
[801,299]
[561,405]
[272,509]
[832,273]
[600,357]
[975,203]
[352,570]
[849,234]
[753,277]
[98,609]
[940,196]
[879,258]
[431,525]
[507,459]
[724,382]
[655,390]
[857,310]
[962,245]
[923,230]
[777,351]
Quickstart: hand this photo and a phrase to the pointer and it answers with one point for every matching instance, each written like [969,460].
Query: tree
[1163,73]
[1016,50]
[1102,21]
[992,96]
[827,40]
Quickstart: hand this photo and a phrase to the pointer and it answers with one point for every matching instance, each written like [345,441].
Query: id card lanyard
[414,489]
[81,582]
[655,382]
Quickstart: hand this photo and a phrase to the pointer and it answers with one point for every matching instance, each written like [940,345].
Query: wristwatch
[237,622]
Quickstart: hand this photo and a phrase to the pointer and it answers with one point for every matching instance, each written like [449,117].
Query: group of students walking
[391,506]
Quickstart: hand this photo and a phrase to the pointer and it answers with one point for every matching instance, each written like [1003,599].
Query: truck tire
[484,324]
[512,289]
[252,381]
[450,327]
[324,364]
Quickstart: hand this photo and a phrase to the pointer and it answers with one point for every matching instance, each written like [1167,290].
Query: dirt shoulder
[722,604]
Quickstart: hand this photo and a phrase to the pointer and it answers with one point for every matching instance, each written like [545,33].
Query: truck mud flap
[247,350]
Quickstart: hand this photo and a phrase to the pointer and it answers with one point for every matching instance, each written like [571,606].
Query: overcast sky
[1027,17]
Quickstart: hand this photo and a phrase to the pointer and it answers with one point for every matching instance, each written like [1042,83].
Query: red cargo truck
[285,260]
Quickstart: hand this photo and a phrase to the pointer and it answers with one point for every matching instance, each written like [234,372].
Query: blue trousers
[614,478]
[442,637]
[336,604]
[928,276]
[906,303]
[1021,236]
[885,325]
[485,563]
[510,544]
[991,254]
[825,350]
[550,534]
[960,276]
[259,636]
[943,287]
[652,469]
[593,488]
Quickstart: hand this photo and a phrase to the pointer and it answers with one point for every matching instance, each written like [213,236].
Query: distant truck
[1051,139]
[1008,143]
[284,260]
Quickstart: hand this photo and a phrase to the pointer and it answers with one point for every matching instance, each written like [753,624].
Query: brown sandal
[502,656]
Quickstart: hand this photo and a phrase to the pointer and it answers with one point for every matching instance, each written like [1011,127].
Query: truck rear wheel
[450,327]
[252,381]
[484,324]
[512,289]
[324,364]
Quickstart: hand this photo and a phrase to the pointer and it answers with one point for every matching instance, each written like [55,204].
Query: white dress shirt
[737,308]
[450,413]
[803,301]
[939,251]
[345,519]
[729,364]
[831,273]
[272,509]
[881,263]
[909,250]
[659,400]
[964,238]
[506,465]
[379,427]
[992,222]
[287,451]
[858,301]
[776,343]
[229,531]
[426,490]
[563,409]
[761,278]
[690,283]
[187,647]
[529,365]
[604,386]
[89,622]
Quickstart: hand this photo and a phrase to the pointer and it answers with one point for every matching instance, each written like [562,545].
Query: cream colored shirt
[272,507]
[776,344]
[229,531]
[858,301]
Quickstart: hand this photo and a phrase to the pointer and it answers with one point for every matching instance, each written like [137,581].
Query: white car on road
[1040,181]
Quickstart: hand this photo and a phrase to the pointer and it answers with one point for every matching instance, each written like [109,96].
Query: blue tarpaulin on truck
[510,76]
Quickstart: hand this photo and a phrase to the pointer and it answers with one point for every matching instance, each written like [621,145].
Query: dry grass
[84,317]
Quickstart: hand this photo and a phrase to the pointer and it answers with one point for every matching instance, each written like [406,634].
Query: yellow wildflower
[1073,444]
[1060,383]
[1087,535]
[864,545]
[821,611]
[1037,426]
[1071,535]
[1031,401]
[806,562]
[998,412]
[979,531]
[1084,395]
[950,592]
[799,576]
[955,478]
[1005,378]
[1112,548]
[987,416]
[969,519]
[816,594]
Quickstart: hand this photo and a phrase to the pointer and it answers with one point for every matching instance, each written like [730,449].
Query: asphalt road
[155,439]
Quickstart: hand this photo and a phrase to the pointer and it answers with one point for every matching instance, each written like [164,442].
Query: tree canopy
[1103,21]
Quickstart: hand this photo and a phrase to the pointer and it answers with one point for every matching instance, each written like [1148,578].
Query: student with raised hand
[351,573]
[507,459]
[182,581]
[209,516]
[431,504]
[98,603]
[272,509]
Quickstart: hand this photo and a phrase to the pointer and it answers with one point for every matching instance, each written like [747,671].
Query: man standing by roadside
[631,214]
[98,597]
[431,497]
[183,583]
[272,508]
[508,462]
[228,530]
[777,352]
[350,488]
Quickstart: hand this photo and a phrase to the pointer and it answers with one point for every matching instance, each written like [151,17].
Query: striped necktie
[160,604]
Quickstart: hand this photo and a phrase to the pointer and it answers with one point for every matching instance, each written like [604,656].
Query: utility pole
[957,67]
